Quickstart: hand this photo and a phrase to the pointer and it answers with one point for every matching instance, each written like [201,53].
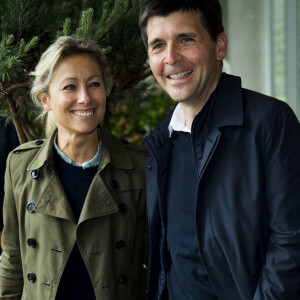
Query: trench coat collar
[112,151]
[99,200]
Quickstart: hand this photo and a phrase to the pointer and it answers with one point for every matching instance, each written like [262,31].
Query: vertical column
[293,77]
[249,47]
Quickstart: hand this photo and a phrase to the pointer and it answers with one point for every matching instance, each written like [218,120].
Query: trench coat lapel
[53,201]
[51,197]
[99,200]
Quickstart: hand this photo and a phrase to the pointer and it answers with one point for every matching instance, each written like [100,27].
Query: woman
[74,207]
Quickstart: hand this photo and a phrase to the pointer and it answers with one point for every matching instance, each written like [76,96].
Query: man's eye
[69,87]
[188,42]
[157,46]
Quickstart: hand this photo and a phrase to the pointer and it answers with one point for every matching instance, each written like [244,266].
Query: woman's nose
[84,97]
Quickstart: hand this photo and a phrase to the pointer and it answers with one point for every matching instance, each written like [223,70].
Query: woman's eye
[69,87]
[95,84]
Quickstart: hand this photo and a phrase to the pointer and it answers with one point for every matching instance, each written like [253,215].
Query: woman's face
[76,95]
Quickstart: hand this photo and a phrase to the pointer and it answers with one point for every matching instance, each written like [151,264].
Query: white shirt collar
[177,122]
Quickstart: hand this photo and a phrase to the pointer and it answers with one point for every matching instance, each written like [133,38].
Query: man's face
[182,56]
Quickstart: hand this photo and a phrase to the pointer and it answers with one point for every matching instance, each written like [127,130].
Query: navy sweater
[75,283]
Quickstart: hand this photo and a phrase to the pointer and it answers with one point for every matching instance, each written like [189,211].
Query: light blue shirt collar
[95,161]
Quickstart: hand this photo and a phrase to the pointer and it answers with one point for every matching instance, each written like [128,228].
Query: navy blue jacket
[248,210]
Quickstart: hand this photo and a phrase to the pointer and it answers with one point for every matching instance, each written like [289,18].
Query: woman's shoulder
[36,144]
[25,152]
[116,142]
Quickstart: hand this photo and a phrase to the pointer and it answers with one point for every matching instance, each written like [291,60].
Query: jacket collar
[112,151]
[160,135]
[228,110]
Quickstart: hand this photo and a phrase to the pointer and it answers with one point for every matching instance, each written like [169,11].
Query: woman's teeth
[83,114]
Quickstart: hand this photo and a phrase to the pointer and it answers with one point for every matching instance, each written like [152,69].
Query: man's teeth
[180,75]
[83,114]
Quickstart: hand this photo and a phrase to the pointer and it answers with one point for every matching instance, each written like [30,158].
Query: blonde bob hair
[63,47]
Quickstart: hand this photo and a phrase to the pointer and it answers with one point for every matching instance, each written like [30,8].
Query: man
[223,176]
[8,141]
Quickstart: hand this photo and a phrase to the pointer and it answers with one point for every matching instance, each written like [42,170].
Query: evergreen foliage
[28,27]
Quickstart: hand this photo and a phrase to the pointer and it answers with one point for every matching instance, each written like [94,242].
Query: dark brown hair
[211,14]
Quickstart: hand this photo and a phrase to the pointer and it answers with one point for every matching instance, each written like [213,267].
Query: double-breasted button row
[122,208]
[31,242]
[34,174]
[114,184]
[31,277]
[30,207]
[120,245]
[123,279]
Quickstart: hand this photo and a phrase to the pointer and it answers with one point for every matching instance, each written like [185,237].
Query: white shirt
[177,122]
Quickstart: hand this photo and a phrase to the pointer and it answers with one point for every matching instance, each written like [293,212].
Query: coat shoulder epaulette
[29,145]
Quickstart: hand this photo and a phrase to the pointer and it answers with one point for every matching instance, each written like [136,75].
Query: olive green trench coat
[40,230]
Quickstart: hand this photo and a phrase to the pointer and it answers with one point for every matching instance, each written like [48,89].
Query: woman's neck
[79,148]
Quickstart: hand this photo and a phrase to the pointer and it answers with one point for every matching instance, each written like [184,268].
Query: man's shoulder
[259,103]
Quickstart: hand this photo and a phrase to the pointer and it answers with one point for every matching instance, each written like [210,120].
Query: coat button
[30,207]
[114,184]
[123,279]
[39,142]
[34,174]
[31,242]
[31,277]
[149,168]
[122,208]
[120,245]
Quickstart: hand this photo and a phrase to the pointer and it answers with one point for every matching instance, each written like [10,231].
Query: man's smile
[180,75]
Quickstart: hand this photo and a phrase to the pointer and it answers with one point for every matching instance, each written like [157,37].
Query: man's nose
[172,54]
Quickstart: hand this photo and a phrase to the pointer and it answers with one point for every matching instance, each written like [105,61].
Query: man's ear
[221,46]
[44,97]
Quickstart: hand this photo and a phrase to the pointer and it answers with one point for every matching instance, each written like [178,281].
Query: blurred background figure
[8,141]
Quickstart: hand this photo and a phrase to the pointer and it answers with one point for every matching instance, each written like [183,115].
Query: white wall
[247,26]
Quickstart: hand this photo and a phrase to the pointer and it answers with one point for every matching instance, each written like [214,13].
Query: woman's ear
[44,97]
[221,46]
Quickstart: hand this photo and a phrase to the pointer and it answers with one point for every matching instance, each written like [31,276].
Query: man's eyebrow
[185,34]
[155,41]
[179,35]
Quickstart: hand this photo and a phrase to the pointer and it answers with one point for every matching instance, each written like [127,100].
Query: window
[285,51]
[279,49]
